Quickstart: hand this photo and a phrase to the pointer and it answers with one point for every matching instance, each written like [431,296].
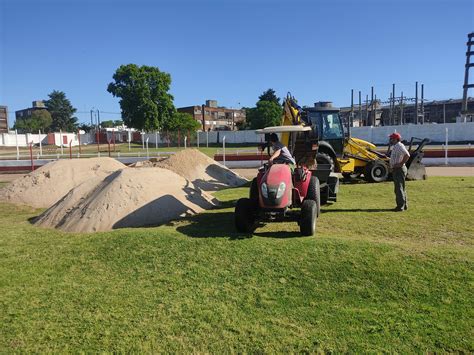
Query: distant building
[3,119]
[215,118]
[442,111]
[26,113]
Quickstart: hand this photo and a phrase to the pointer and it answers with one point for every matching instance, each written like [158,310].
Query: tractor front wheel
[308,218]
[244,216]
[254,191]
[314,192]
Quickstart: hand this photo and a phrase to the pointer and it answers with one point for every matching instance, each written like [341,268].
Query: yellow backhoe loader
[350,156]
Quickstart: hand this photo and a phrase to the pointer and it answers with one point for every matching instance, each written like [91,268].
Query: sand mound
[47,185]
[127,198]
[202,171]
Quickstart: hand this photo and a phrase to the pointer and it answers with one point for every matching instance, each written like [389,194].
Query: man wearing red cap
[398,158]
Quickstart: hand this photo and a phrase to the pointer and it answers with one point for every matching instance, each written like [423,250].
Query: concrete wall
[457,132]
[10,139]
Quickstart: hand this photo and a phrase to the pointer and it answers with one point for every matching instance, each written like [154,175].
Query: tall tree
[267,112]
[269,95]
[39,120]
[144,98]
[62,112]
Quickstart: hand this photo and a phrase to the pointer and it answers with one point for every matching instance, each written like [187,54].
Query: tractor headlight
[265,190]
[281,190]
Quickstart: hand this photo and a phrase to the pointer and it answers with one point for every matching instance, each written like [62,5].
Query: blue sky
[232,51]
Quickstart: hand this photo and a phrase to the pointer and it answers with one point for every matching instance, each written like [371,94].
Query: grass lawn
[371,280]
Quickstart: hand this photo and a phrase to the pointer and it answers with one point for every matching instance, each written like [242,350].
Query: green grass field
[371,280]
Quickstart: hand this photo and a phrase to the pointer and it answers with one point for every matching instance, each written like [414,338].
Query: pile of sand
[100,194]
[127,198]
[47,185]
[202,171]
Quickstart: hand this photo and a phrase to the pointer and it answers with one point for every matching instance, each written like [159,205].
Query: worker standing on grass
[398,158]
[281,154]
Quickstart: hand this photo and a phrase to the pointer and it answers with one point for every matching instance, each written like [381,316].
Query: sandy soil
[100,194]
[127,198]
[47,185]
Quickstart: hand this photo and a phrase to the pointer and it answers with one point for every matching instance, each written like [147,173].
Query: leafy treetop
[144,98]
[62,112]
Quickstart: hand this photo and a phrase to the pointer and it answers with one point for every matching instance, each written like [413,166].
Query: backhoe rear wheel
[376,171]
[323,158]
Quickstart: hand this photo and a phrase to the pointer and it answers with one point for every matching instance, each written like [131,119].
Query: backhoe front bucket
[416,169]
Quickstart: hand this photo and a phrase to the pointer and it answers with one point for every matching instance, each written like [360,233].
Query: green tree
[61,111]
[181,121]
[118,123]
[107,124]
[39,120]
[144,98]
[267,112]
[86,127]
[269,95]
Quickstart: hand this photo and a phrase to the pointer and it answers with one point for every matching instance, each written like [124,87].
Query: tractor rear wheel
[314,192]
[308,218]
[376,171]
[254,191]
[244,216]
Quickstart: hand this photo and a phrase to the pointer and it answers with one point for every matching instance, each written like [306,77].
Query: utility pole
[351,119]
[466,86]
[401,109]
[203,117]
[360,107]
[416,102]
[371,106]
[390,112]
[92,123]
[374,121]
[366,110]
[392,117]
[422,105]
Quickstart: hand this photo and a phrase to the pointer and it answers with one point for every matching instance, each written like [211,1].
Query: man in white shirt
[398,158]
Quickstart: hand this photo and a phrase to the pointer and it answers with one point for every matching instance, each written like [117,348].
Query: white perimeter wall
[457,132]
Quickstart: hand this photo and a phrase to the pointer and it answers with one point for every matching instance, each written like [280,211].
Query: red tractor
[284,192]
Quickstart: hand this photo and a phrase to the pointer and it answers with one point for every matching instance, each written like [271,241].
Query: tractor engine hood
[276,187]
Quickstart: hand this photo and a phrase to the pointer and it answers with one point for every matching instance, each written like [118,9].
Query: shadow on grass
[212,225]
[279,234]
[358,210]
[220,224]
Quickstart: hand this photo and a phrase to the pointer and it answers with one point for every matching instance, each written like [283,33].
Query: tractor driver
[281,154]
